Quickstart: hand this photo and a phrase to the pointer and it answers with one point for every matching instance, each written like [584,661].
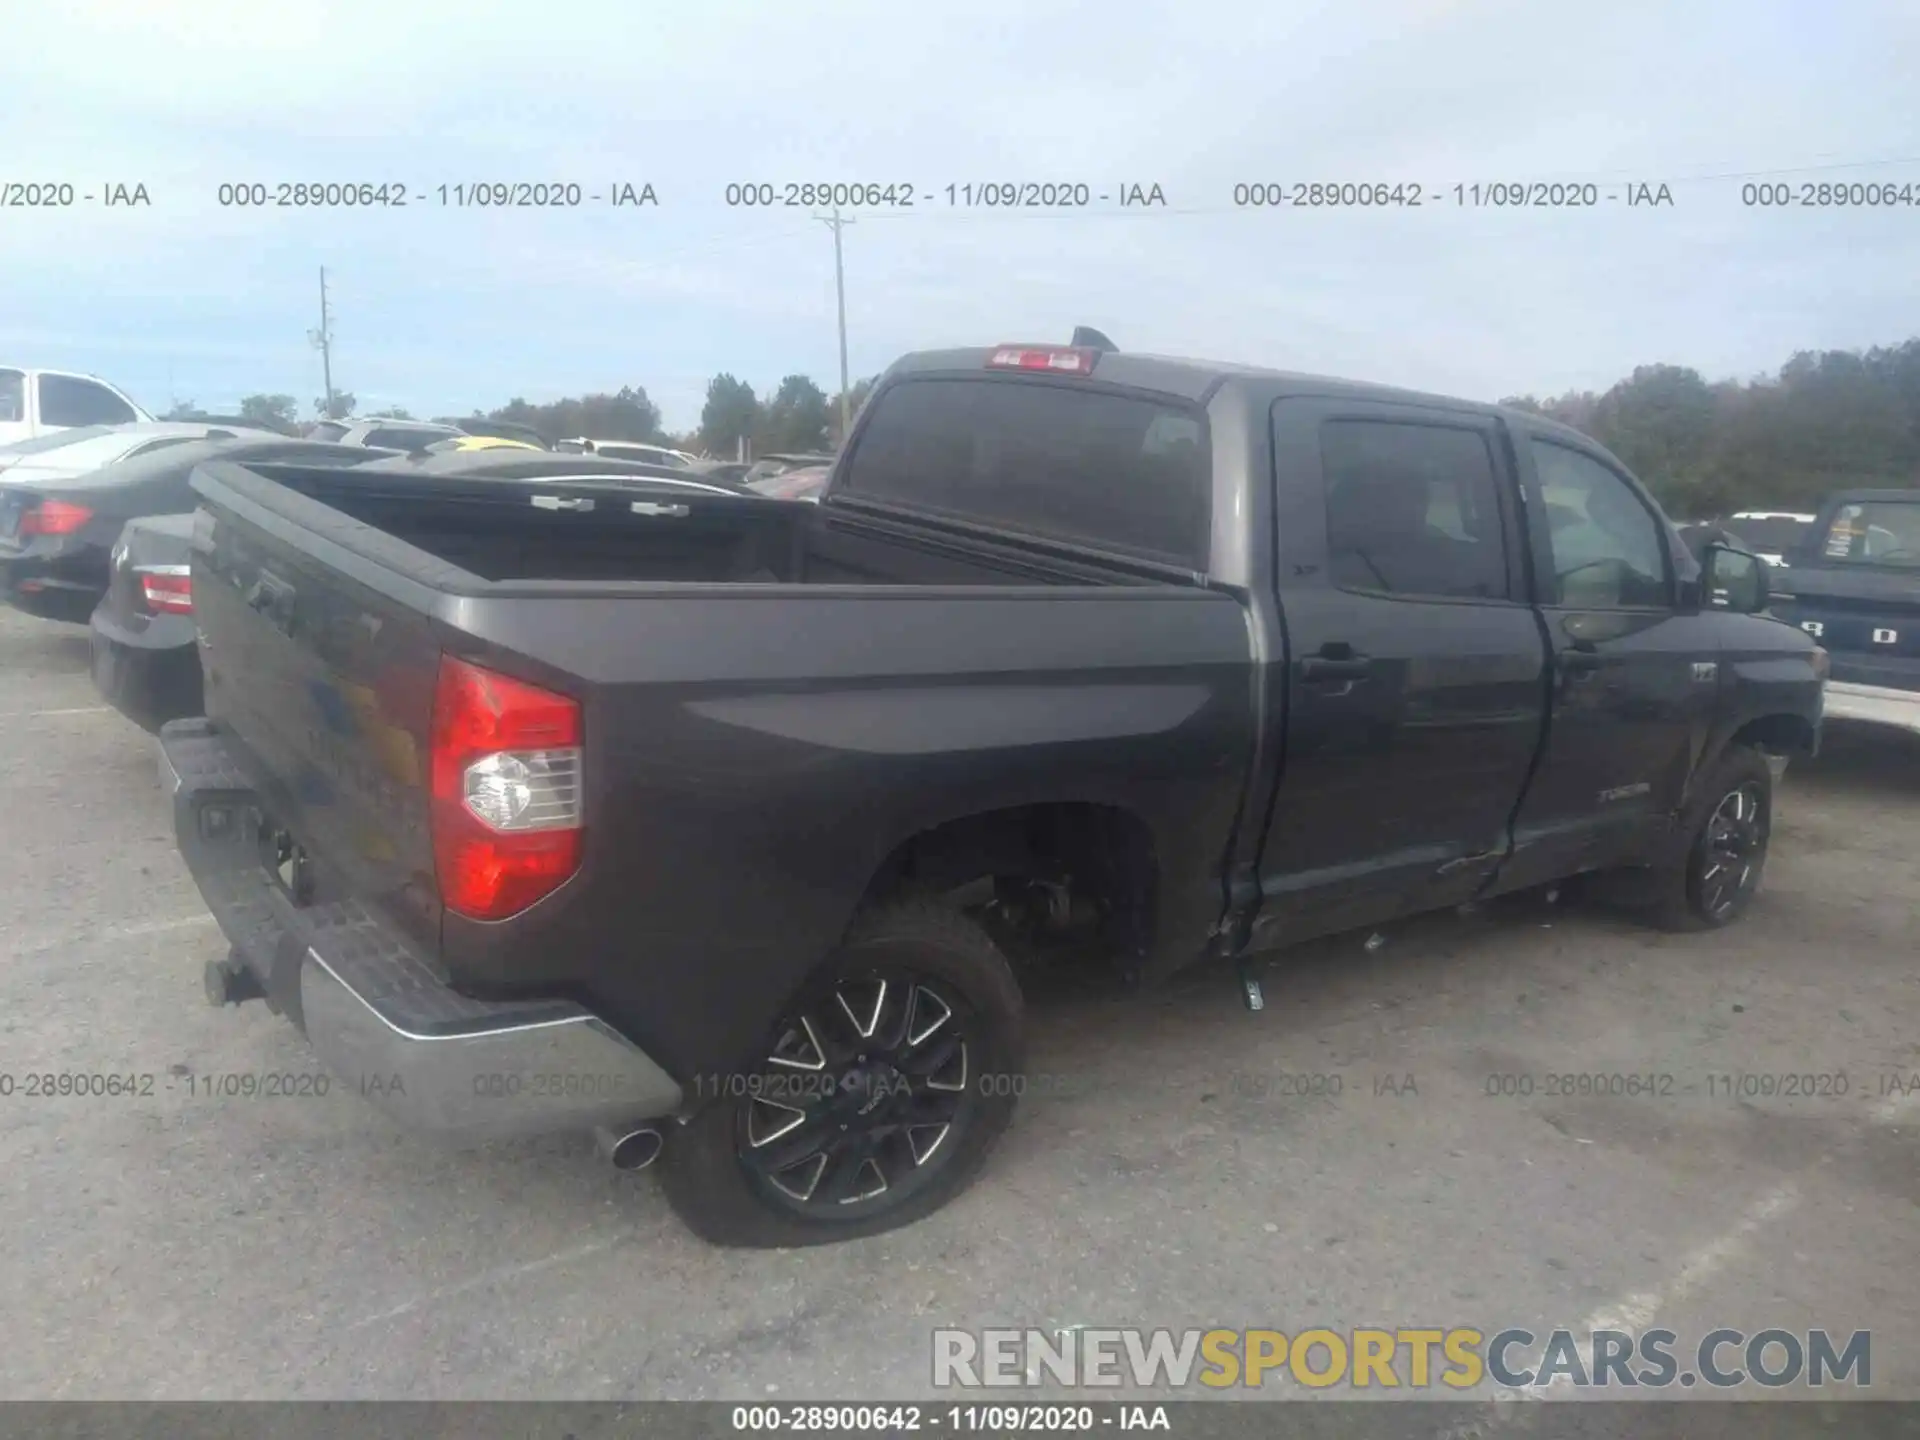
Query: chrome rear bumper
[499,1077]
[382,1017]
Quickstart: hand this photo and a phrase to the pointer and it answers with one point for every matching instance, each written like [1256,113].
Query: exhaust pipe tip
[230,982]
[631,1149]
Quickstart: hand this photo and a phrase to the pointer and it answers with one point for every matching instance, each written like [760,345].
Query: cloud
[441,307]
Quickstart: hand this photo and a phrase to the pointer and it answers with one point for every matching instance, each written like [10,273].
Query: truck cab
[37,402]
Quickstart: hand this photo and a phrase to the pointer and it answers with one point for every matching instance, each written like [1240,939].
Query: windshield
[1875,532]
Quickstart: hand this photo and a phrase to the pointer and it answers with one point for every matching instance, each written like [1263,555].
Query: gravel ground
[174,1246]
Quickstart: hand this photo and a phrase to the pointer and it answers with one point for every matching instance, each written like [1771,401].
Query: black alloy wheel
[875,1097]
[860,1097]
[1733,848]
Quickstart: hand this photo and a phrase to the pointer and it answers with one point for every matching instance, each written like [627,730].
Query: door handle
[1329,667]
[1579,661]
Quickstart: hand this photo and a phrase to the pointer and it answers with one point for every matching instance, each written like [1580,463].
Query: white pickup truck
[37,402]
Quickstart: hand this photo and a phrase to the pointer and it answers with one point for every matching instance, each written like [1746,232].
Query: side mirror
[1733,579]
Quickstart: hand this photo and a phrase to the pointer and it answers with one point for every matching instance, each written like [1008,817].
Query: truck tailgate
[324,686]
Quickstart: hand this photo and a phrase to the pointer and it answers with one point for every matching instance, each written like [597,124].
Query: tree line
[798,417]
[1827,420]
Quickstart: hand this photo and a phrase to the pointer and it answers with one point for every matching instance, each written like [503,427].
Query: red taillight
[54,517]
[506,791]
[168,589]
[1025,357]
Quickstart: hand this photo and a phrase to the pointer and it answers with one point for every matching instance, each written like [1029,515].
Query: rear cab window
[1107,470]
[70,400]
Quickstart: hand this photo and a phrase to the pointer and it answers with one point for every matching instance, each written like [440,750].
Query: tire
[1689,891]
[923,1126]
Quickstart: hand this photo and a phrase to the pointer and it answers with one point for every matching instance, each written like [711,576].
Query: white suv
[36,402]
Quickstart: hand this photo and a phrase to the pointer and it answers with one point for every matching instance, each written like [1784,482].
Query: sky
[440,307]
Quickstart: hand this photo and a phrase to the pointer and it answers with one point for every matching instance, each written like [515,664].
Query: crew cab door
[1634,676]
[1414,694]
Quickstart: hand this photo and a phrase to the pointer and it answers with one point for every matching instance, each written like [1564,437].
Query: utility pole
[323,340]
[835,223]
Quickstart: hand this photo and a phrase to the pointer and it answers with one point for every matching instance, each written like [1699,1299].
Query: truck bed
[501,531]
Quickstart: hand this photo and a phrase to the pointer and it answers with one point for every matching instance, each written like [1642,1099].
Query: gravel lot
[181,1247]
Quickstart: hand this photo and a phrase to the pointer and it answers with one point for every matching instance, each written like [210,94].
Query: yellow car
[479,442]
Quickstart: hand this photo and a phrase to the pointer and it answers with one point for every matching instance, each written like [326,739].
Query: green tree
[342,406]
[181,410]
[1661,421]
[627,414]
[796,419]
[857,395]
[392,412]
[730,414]
[276,412]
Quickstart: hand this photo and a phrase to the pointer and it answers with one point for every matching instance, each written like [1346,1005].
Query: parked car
[709,824]
[502,430]
[629,450]
[1771,534]
[145,661]
[769,466]
[39,402]
[512,463]
[60,453]
[735,470]
[58,526]
[465,444]
[244,422]
[383,434]
[804,483]
[1854,585]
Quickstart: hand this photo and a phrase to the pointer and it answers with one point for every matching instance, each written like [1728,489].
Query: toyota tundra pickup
[710,823]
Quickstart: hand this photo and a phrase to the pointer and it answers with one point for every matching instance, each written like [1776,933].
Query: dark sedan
[56,533]
[145,660]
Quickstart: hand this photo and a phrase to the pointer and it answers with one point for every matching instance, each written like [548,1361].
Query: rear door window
[69,400]
[1114,471]
[1413,509]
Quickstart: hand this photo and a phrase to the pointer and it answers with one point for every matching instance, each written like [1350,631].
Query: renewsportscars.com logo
[1458,1358]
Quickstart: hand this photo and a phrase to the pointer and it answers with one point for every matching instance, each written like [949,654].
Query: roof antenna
[1085,337]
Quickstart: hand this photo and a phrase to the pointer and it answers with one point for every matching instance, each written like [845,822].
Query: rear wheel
[875,1097]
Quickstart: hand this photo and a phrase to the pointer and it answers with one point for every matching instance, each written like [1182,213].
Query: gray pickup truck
[710,822]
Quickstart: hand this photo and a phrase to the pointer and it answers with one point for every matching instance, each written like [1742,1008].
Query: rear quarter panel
[734,824]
